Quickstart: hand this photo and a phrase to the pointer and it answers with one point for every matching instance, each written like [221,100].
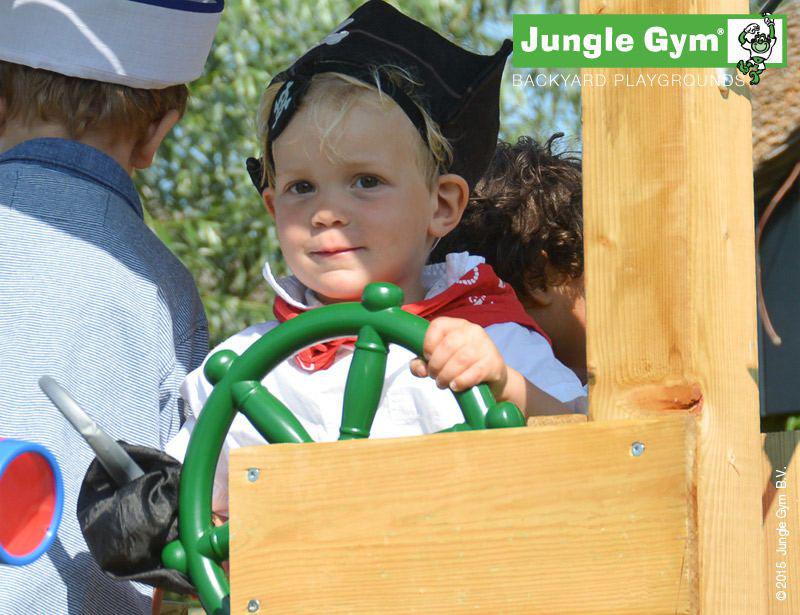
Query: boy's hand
[459,355]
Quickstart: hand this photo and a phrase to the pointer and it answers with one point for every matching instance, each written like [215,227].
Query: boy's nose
[329,213]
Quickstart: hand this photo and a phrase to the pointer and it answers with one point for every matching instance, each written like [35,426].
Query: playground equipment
[668,500]
[31,501]
[492,508]
[379,321]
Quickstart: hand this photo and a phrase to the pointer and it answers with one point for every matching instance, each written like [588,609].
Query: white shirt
[409,405]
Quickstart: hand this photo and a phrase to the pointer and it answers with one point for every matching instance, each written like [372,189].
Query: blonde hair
[81,105]
[341,92]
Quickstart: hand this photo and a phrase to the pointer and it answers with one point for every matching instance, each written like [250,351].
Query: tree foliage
[198,195]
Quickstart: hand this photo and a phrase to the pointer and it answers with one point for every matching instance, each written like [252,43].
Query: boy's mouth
[328,252]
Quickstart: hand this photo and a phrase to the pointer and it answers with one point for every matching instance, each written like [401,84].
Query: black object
[127,527]
[779,366]
[459,89]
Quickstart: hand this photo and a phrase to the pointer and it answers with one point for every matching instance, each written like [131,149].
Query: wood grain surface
[557,519]
[670,275]
[781,510]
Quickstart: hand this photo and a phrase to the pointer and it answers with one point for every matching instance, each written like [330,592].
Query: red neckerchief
[479,296]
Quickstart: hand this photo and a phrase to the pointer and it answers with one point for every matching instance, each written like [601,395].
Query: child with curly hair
[525,218]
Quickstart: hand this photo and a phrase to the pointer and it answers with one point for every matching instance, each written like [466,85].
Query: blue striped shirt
[90,296]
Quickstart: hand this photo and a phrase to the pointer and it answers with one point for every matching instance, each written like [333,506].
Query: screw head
[252,474]
[637,449]
[253,606]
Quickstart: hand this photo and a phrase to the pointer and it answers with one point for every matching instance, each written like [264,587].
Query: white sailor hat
[149,44]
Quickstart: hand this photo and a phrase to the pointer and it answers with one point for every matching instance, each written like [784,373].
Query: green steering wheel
[378,320]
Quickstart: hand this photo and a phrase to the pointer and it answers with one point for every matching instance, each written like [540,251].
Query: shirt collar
[436,279]
[79,160]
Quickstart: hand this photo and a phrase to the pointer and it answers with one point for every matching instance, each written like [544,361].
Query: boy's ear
[145,150]
[541,297]
[268,197]
[452,196]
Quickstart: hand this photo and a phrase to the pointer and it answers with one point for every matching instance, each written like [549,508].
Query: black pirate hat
[459,89]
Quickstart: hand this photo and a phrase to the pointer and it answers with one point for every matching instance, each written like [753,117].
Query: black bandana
[459,89]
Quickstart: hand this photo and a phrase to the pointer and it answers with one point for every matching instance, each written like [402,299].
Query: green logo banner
[649,41]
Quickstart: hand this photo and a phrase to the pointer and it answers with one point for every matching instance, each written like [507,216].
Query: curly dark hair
[525,217]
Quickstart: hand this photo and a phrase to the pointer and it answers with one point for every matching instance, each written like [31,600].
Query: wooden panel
[555,419]
[558,519]
[781,509]
[670,276]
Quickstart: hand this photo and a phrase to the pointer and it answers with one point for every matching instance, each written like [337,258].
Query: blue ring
[17,448]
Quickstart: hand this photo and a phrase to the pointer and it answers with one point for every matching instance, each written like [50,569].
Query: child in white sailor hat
[90,296]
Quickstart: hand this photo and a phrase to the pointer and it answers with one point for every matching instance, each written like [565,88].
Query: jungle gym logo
[751,43]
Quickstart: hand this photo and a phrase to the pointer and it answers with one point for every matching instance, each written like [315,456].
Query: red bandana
[479,297]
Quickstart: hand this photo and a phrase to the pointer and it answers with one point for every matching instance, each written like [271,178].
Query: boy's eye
[367,181]
[301,187]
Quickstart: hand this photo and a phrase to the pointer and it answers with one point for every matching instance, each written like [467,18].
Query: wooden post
[670,273]
[781,502]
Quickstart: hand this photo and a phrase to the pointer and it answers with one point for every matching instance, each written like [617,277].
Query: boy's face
[561,312]
[361,215]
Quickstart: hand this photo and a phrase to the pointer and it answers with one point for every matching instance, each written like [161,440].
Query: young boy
[525,218]
[371,143]
[88,294]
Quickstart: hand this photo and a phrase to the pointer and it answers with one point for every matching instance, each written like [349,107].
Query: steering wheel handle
[378,320]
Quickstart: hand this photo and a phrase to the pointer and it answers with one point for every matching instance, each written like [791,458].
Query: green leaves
[198,195]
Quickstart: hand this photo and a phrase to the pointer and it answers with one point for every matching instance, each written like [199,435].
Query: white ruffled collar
[436,279]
